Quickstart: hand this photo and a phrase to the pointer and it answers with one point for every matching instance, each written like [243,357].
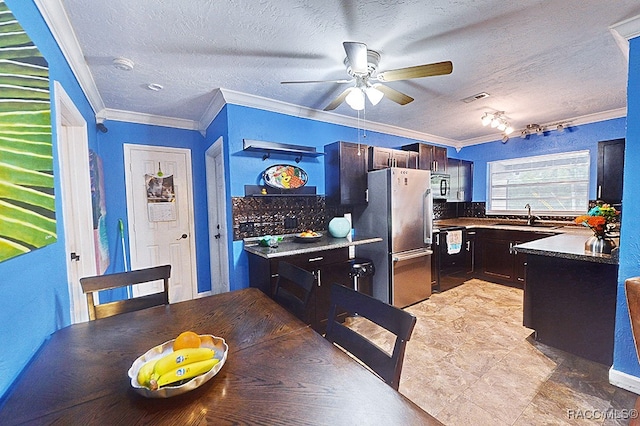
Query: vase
[599,244]
[339,227]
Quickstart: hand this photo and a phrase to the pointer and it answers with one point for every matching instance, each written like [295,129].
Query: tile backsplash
[273,215]
[278,215]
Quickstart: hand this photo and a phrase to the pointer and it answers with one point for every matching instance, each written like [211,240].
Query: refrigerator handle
[427,216]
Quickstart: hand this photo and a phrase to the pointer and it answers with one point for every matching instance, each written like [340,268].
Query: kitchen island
[570,295]
[326,257]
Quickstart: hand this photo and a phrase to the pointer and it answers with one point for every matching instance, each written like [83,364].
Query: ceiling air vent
[475,97]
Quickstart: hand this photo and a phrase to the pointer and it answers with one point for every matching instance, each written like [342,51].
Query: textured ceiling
[540,61]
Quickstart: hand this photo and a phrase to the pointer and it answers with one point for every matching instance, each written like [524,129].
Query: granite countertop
[567,246]
[566,240]
[289,246]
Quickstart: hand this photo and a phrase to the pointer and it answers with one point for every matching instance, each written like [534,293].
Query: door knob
[182,237]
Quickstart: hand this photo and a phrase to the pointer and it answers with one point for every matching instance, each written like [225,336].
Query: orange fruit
[186,339]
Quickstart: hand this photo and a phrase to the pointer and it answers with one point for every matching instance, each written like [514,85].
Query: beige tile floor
[471,362]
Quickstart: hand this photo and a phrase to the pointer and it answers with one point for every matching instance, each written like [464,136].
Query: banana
[145,372]
[184,372]
[180,357]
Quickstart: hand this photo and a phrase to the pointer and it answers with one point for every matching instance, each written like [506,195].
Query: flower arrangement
[600,219]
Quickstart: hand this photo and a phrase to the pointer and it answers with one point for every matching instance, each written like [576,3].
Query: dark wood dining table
[278,372]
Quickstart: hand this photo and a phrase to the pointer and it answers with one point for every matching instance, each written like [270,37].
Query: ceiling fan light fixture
[355,99]
[374,95]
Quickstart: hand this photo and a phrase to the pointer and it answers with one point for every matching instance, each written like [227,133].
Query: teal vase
[339,227]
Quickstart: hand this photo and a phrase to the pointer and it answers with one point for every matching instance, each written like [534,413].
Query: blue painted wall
[34,299]
[624,356]
[110,149]
[577,138]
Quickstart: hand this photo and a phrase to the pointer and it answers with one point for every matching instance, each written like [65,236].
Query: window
[553,185]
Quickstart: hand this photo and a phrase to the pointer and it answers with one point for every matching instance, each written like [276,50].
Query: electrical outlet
[246,227]
[290,223]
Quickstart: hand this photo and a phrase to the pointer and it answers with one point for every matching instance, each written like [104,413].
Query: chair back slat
[124,279]
[395,320]
[293,289]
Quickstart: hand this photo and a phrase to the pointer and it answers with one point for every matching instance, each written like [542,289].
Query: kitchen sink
[535,225]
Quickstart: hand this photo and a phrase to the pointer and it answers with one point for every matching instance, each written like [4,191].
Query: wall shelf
[282,148]
[266,191]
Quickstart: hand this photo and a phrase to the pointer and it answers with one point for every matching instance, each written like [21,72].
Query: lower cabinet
[330,266]
[495,258]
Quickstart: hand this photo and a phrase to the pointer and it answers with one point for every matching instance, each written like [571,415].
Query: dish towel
[454,242]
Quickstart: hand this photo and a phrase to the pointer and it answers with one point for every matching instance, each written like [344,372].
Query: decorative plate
[285,176]
[301,239]
[208,341]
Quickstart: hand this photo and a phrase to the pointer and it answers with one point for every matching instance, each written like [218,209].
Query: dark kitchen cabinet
[496,259]
[328,266]
[610,170]
[345,173]
[430,157]
[461,172]
[382,158]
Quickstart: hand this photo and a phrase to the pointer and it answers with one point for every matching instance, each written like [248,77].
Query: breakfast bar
[570,295]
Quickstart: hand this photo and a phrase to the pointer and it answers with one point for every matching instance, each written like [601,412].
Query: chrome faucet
[530,218]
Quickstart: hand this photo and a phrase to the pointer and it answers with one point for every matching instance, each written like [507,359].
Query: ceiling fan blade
[419,71]
[337,101]
[318,81]
[357,54]
[393,94]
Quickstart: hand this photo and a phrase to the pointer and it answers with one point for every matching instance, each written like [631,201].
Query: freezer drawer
[410,277]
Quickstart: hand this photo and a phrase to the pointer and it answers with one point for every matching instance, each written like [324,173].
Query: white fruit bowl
[207,341]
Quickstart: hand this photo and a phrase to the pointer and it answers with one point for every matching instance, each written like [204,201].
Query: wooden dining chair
[293,289]
[395,320]
[124,279]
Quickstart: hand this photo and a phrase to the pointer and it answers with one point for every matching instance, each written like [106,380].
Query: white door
[160,216]
[73,154]
[216,200]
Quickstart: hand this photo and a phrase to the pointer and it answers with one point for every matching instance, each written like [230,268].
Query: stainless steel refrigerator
[399,210]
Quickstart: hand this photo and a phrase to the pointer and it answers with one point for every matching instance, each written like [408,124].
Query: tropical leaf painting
[27,210]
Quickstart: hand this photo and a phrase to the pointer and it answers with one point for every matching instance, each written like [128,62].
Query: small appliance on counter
[399,210]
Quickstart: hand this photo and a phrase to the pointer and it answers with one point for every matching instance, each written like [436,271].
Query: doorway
[160,215]
[218,235]
[75,182]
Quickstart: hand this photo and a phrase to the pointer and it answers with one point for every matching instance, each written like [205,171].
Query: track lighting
[497,121]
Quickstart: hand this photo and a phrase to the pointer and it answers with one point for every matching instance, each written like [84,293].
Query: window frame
[579,154]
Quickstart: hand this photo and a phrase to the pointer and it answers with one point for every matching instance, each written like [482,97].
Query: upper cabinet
[345,173]
[430,157]
[382,158]
[610,170]
[461,172]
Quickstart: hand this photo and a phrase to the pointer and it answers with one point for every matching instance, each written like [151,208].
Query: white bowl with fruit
[179,365]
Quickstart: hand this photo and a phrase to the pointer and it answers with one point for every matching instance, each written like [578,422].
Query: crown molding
[58,22]
[213,109]
[150,119]
[576,121]
[624,31]
[252,101]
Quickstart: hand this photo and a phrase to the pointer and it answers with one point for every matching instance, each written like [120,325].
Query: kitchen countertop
[289,247]
[566,246]
[567,242]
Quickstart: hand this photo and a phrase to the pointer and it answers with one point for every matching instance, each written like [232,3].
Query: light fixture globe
[355,99]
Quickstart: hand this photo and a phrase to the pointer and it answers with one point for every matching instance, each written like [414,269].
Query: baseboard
[624,381]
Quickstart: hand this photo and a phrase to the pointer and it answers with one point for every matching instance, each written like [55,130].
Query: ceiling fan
[362,64]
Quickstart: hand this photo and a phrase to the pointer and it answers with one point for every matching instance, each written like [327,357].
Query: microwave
[440,186]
